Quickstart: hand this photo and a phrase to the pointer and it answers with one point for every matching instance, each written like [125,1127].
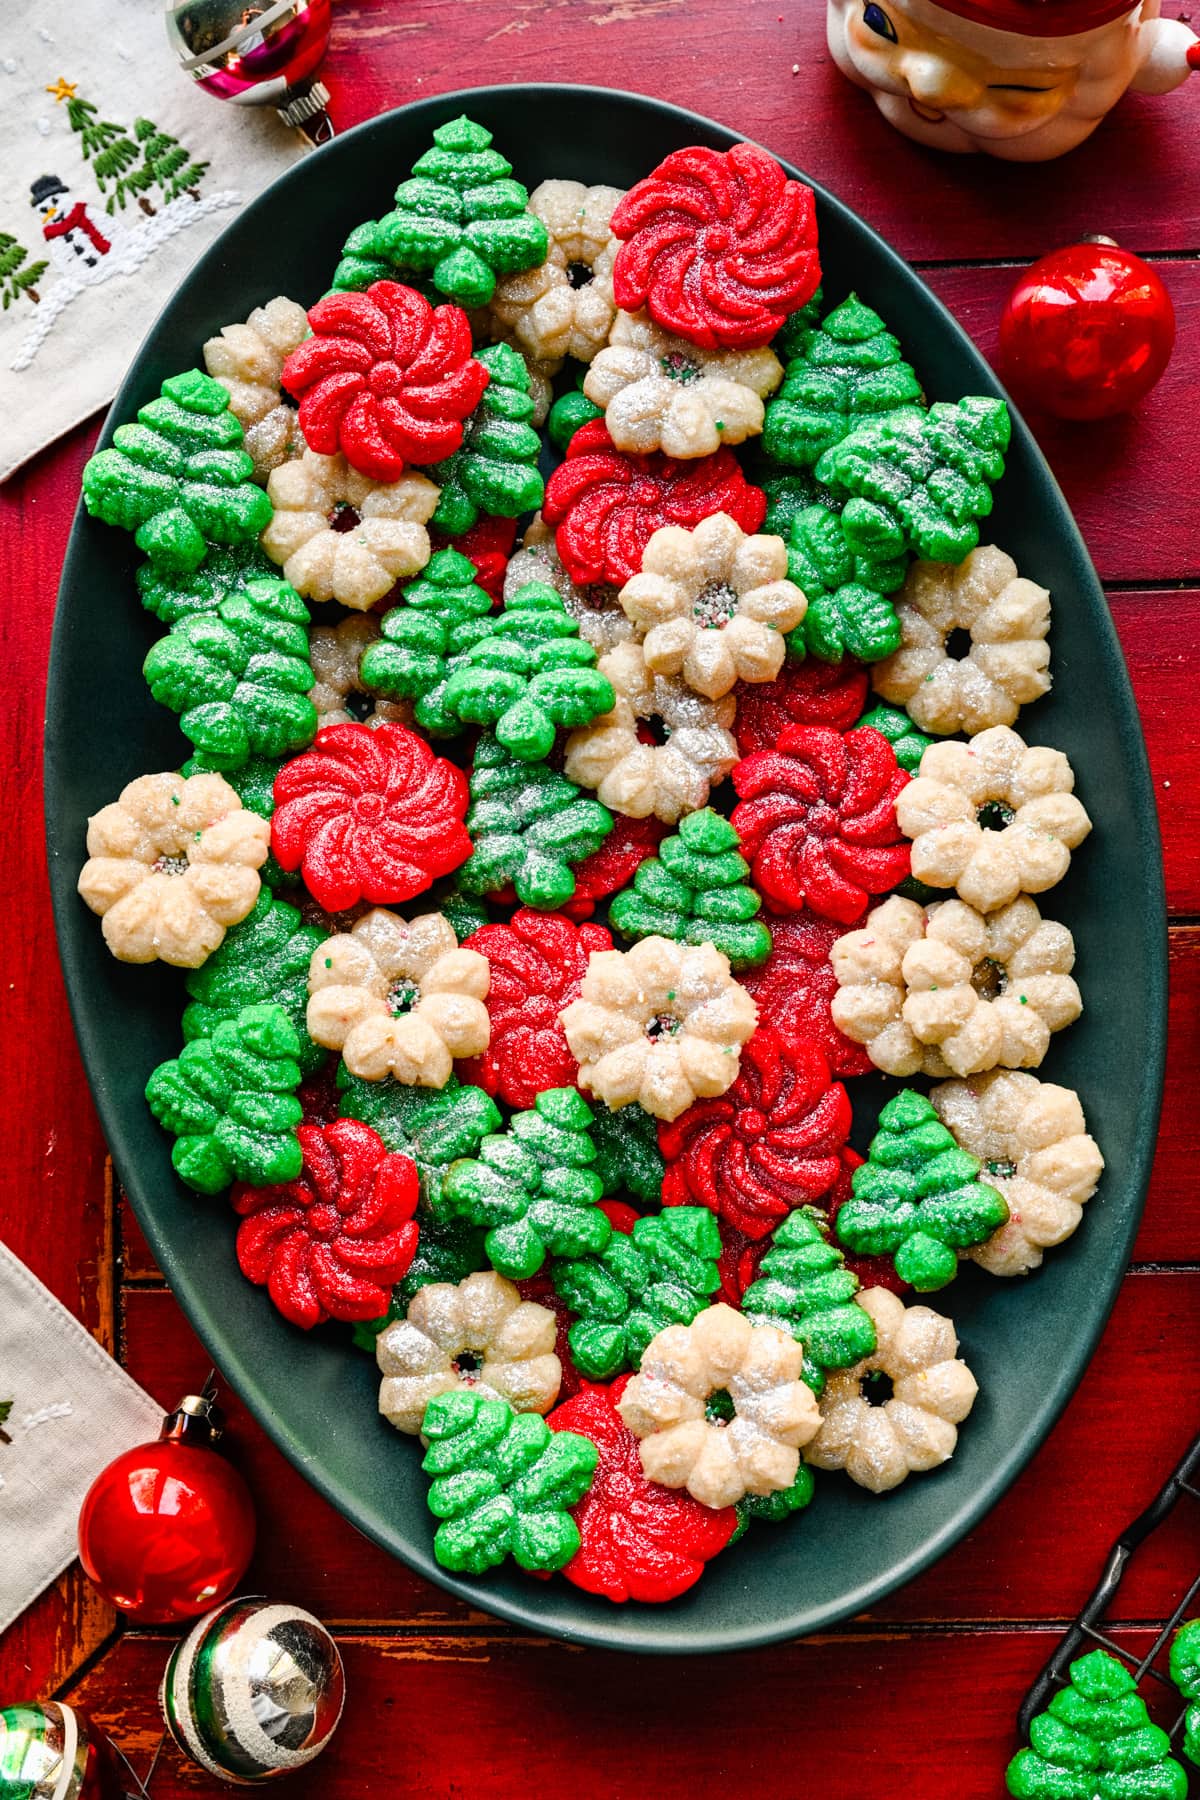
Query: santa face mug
[1021,79]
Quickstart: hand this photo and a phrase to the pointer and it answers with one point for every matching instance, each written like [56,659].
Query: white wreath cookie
[667,779]
[335,652]
[479,1335]
[1008,664]
[662,1024]
[773,1413]
[565,306]
[962,790]
[1032,1139]
[944,990]
[399,998]
[595,609]
[171,865]
[247,360]
[385,543]
[915,1428]
[661,393]
[713,604]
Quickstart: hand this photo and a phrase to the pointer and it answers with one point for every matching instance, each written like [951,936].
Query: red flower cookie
[333,1243]
[770,1144]
[488,545]
[738,1263]
[371,814]
[872,1271]
[614,864]
[639,1541]
[720,246]
[607,506]
[538,961]
[807,693]
[817,818]
[794,988]
[385,378]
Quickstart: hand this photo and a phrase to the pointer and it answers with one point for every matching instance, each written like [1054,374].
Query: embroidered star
[63,89]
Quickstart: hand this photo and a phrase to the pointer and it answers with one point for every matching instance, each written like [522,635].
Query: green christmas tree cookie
[529,825]
[844,368]
[697,891]
[777,1508]
[908,743]
[263,960]
[444,613]
[805,1288]
[569,412]
[240,677]
[533,1187]
[660,1274]
[1095,1741]
[503,1482]
[920,480]
[789,493]
[495,470]
[918,1197]
[230,1100]
[460,220]
[179,478]
[224,572]
[434,1127]
[1185,1673]
[628,1160]
[849,613]
[531,674]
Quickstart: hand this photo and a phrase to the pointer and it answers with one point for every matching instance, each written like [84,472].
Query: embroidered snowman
[74,238]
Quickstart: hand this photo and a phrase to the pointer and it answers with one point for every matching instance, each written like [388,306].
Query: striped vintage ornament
[49,1752]
[254,1690]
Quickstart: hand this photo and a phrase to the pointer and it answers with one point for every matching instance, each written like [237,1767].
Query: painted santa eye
[877,21]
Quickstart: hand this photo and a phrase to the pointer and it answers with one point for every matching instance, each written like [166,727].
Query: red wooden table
[920,1696]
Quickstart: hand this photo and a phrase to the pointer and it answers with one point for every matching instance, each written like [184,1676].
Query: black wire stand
[1182,1485]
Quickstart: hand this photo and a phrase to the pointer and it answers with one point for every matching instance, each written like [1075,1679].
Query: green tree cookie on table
[628,1159]
[660,1274]
[444,613]
[529,825]
[848,366]
[849,613]
[262,961]
[805,1288]
[495,470]
[174,595]
[697,891]
[1095,1741]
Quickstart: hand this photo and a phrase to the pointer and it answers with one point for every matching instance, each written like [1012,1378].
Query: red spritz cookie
[607,506]
[720,246]
[333,1243]
[817,818]
[538,961]
[614,864]
[807,693]
[386,378]
[639,1541]
[771,1143]
[794,988]
[369,813]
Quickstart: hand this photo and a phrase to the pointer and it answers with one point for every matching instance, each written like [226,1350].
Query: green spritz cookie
[239,677]
[1095,1741]
[660,1274]
[263,960]
[444,613]
[434,1127]
[805,1288]
[849,613]
[503,1482]
[533,1187]
[569,412]
[172,596]
[179,478]
[495,470]
[529,826]
[918,1197]
[628,1159]
[908,743]
[697,891]
[230,1100]
[777,1508]
[1185,1673]
[846,367]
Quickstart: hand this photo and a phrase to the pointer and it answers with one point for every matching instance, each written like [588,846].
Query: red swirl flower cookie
[614,864]
[333,1243]
[369,813]
[817,817]
[807,693]
[385,378]
[638,1541]
[538,961]
[794,989]
[771,1143]
[606,506]
[719,245]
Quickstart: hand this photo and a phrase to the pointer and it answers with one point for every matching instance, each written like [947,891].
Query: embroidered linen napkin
[66,1409]
[115,173]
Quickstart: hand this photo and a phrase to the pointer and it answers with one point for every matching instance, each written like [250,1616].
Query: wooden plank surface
[442,1702]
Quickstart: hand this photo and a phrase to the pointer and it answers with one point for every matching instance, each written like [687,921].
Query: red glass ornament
[1086,332]
[166,1531]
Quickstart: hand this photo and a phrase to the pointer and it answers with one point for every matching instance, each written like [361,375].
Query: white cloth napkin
[102,269]
[69,1410]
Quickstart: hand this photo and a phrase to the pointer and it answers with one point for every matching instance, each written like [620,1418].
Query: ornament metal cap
[197,1419]
[1039,18]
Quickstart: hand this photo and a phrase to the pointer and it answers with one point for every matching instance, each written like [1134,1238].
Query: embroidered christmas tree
[532,1186]
[847,367]
[660,1274]
[166,163]
[15,278]
[444,613]
[805,1288]
[918,1197]
[262,961]
[461,220]
[920,481]
[1095,1741]
[528,824]
[697,890]
[849,613]
[239,678]
[114,154]
[495,471]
